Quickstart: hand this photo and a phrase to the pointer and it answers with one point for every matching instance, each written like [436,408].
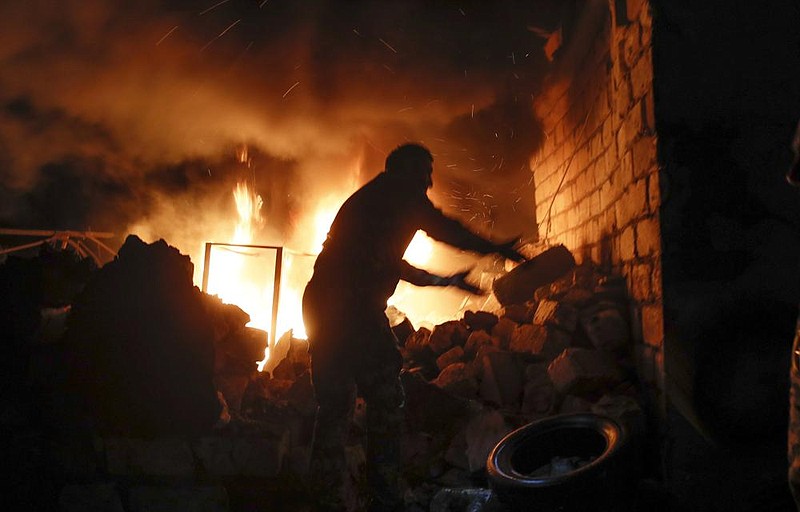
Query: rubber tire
[604,484]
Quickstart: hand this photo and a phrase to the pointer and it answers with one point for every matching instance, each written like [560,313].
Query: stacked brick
[597,176]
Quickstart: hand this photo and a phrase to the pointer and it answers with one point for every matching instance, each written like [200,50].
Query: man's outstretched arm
[419,277]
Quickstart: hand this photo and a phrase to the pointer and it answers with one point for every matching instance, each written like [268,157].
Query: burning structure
[623,130]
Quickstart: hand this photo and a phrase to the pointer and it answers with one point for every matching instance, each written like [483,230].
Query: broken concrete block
[454,355]
[605,326]
[152,498]
[480,320]
[418,341]
[538,397]
[503,330]
[447,335]
[501,382]
[459,379]
[527,339]
[475,341]
[540,340]
[582,371]
[482,433]
[519,313]
[558,314]
[574,404]
[477,363]
[577,297]
[520,284]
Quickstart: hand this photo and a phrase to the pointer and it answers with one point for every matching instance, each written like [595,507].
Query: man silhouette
[350,341]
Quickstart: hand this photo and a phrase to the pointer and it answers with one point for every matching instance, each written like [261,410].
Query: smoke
[127,115]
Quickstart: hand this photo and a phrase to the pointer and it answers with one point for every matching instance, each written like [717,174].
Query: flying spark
[387,45]
[290,89]
[221,34]
[173,29]
[213,7]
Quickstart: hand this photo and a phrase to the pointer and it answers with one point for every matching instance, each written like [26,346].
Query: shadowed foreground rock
[143,345]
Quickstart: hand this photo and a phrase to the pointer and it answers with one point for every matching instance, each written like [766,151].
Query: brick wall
[596,176]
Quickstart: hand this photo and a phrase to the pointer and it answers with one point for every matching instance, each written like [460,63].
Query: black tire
[604,484]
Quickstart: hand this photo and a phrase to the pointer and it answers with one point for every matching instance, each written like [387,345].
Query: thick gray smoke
[117,113]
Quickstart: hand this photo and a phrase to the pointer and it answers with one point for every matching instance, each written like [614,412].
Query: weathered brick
[622,101]
[657,280]
[631,126]
[631,45]
[653,193]
[648,114]
[648,236]
[476,340]
[643,152]
[640,285]
[627,244]
[653,324]
[642,75]
[605,326]
[633,9]
[459,379]
[633,203]
[448,334]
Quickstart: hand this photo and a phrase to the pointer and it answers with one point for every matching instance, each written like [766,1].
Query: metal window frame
[276,290]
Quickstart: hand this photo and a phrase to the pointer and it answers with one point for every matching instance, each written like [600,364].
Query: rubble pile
[567,349]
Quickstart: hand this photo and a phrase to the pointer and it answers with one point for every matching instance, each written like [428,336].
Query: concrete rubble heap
[180,417]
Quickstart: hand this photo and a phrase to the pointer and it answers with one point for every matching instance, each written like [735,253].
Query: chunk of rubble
[447,335]
[558,314]
[605,326]
[459,379]
[454,355]
[418,341]
[480,320]
[540,340]
[538,395]
[501,382]
[503,330]
[582,371]
[476,340]
[519,313]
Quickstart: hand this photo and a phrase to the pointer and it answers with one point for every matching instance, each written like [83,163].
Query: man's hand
[507,250]
[458,280]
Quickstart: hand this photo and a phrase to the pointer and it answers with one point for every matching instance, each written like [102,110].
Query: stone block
[556,313]
[151,498]
[448,334]
[643,153]
[482,433]
[653,324]
[502,379]
[503,330]
[605,326]
[480,320]
[538,396]
[476,340]
[418,341]
[519,313]
[459,379]
[454,355]
[160,457]
[582,371]
[648,236]
[528,339]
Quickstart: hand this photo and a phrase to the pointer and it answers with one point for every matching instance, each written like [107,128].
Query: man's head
[413,162]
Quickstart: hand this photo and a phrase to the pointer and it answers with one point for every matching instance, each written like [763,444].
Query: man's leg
[379,385]
[335,392]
